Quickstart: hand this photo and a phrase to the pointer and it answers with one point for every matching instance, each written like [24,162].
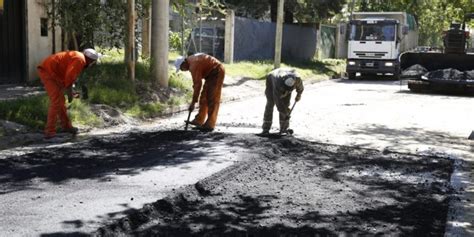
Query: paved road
[372,114]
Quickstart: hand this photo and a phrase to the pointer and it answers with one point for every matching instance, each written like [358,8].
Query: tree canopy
[302,11]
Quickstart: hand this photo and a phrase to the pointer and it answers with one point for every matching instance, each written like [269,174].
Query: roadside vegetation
[108,85]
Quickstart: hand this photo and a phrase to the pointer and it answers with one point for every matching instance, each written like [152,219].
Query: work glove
[298,98]
[73,95]
[191,107]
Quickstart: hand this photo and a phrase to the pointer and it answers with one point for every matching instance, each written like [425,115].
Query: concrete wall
[37,47]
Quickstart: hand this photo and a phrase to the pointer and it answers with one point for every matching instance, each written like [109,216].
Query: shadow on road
[97,158]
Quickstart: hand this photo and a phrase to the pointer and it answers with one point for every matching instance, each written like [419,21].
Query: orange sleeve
[72,72]
[197,83]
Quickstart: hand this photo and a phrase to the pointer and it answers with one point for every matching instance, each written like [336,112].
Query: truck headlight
[351,63]
[388,64]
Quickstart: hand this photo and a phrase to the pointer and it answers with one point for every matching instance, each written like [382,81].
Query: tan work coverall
[203,66]
[279,94]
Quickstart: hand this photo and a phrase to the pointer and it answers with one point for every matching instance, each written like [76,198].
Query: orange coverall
[57,73]
[203,66]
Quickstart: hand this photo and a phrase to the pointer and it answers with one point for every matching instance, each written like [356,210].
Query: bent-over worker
[203,66]
[279,85]
[58,73]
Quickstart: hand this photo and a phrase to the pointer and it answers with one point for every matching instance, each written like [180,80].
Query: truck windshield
[373,32]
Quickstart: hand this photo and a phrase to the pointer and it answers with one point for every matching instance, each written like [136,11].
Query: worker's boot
[71,130]
[195,123]
[206,129]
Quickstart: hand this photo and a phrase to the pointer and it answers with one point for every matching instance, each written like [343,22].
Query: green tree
[76,22]
[303,11]
[87,23]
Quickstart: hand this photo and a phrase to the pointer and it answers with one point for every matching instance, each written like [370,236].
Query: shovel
[291,110]
[290,131]
[187,121]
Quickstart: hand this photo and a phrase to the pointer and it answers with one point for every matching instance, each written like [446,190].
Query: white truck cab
[376,41]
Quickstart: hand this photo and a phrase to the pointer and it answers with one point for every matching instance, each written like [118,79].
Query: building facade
[26,37]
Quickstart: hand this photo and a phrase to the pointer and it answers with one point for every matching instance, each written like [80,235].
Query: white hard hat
[92,54]
[290,81]
[178,62]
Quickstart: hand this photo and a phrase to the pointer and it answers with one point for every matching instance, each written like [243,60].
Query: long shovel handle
[292,107]
[187,121]
[291,110]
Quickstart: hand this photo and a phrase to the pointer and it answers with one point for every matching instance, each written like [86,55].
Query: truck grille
[362,54]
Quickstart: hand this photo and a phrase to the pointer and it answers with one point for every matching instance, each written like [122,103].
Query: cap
[290,81]
[92,54]
[178,62]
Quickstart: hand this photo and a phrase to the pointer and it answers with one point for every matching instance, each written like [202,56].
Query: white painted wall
[38,47]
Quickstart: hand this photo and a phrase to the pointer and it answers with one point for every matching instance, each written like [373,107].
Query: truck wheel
[396,77]
[417,86]
[351,76]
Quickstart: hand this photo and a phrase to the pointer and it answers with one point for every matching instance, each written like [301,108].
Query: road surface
[76,188]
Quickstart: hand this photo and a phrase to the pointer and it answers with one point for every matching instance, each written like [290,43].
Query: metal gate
[208,40]
[327,42]
[12,41]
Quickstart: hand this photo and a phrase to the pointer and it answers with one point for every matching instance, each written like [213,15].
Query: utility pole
[279,34]
[146,25]
[229,37]
[352,9]
[160,42]
[130,47]
[53,26]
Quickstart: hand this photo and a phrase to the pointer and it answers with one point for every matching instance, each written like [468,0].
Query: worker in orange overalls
[58,73]
[203,66]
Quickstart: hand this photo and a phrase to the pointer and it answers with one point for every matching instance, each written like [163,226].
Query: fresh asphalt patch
[288,186]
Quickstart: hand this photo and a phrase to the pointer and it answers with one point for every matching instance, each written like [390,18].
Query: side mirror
[405,30]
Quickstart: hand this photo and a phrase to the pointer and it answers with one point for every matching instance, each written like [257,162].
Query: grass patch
[31,111]
[80,113]
[307,70]
[178,81]
[173,55]
[250,69]
[147,110]
[318,69]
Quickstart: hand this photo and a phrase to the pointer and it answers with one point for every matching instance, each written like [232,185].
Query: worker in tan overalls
[203,66]
[279,85]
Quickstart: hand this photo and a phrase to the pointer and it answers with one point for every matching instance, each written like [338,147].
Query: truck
[376,40]
[449,71]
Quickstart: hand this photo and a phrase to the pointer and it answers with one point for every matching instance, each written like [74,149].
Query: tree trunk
[279,34]
[53,28]
[75,45]
[130,45]
[159,43]
[64,45]
[146,33]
